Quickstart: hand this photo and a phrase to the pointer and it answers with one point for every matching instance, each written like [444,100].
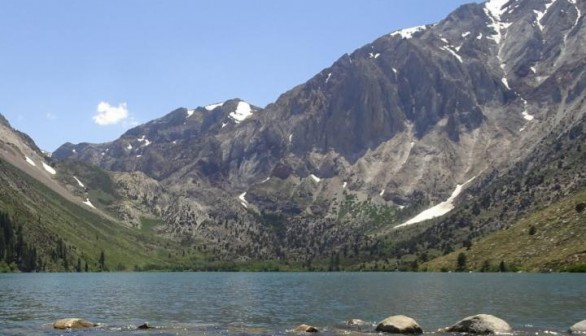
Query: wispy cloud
[107,114]
[50,116]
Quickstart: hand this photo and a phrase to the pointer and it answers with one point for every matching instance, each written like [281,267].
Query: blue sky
[86,71]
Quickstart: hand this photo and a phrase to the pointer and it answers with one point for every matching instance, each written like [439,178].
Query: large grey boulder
[399,324]
[480,324]
[579,328]
[73,323]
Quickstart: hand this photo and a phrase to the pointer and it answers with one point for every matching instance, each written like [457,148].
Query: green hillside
[551,239]
[67,236]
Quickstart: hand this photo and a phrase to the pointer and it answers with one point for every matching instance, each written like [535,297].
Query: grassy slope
[47,217]
[558,244]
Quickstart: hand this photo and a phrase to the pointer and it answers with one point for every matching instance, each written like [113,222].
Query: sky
[87,71]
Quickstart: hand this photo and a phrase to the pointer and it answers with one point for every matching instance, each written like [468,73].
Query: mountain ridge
[388,131]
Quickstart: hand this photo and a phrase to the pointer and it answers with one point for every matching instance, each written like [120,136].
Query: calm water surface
[273,303]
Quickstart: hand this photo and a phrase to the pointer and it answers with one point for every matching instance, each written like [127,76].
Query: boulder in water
[144,326]
[579,328]
[480,324]
[73,323]
[355,322]
[399,324]
[306,328]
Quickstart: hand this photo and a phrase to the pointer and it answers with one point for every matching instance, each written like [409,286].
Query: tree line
[15,252]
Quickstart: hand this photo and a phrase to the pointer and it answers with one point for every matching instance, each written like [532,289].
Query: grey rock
[578,328]
[399,324]
[305,328]
[73,323]
[356,322]
[480,324]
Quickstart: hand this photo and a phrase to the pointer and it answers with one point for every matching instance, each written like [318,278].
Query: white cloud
[51,116]
[110,115]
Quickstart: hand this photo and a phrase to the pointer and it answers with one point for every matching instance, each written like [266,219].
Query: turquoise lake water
[274,303]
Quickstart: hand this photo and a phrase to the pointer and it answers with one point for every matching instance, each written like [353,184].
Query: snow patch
[439,209]
[315,178]
[174,142]
[243,200]
[290,138]
[382,193]
[479,37]
[89,203]
[455,54]
[129,147]
[525,113]
[372,55]
[505,83]
[328,78]
[243,111]
[145,140]
[49,169]
[466,34]
[213,106]
[533,69]
[138,155]
[445,41]
[224,124]
[190,113]
[493,10]
[394,70]
[73,151]
[30,161]
[344,185]
[79,182]
[266,180]
[539,15]
[408,32]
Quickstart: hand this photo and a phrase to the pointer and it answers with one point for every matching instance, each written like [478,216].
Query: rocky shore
[396,324]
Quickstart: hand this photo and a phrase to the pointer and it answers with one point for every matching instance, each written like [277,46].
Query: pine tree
[461,262]
[102,261]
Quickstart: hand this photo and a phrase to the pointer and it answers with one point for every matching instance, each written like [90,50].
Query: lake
[273,303]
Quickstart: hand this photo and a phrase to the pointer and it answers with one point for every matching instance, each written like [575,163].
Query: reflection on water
[272,303]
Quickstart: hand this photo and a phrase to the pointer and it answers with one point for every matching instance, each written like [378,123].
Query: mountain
[450,114]
[49,223]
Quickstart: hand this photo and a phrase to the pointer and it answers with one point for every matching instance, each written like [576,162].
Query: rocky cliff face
[399,123]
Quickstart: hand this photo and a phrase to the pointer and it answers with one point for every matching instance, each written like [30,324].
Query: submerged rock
[480,324]
[579,328]
[144,326]
[306,328]
[355,322]
[73,323]
[399,324]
